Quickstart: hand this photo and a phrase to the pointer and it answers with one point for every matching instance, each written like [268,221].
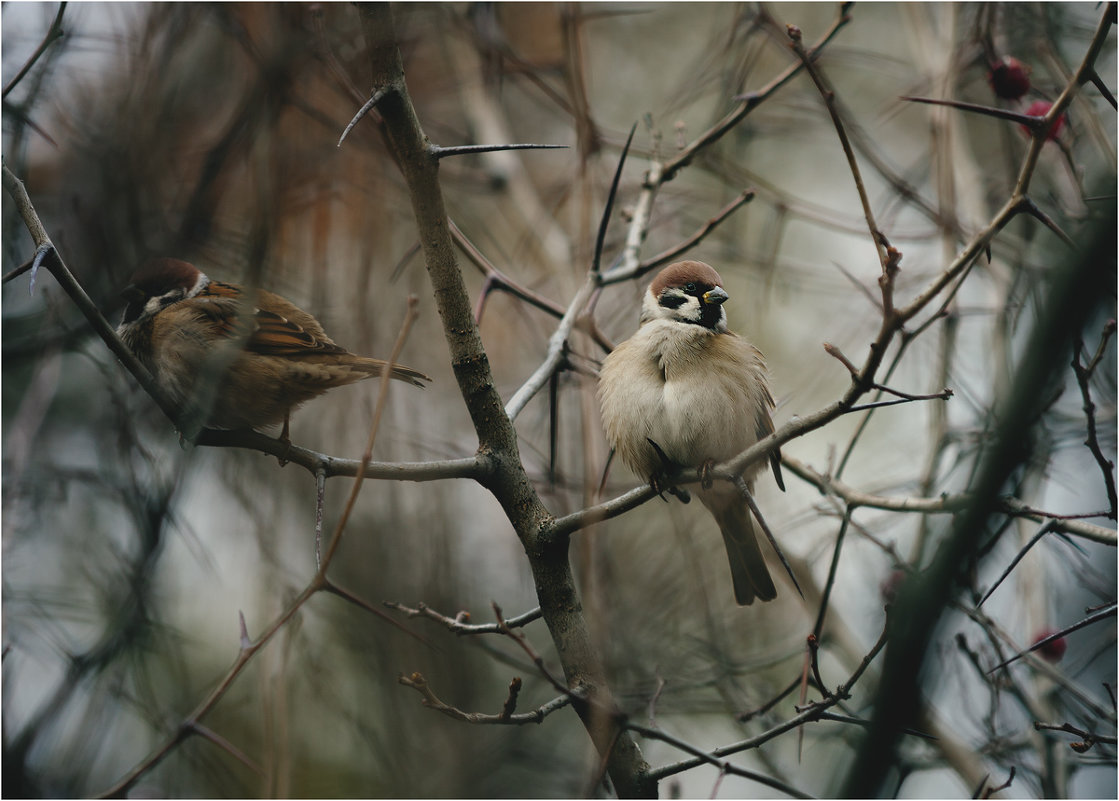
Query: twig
[557,345]
[53,32]
[1045,529]
[812,713]
[52,260]
[744,491]
[835,352]
[1083,378]
[621,273]
[224,744]
[1107,612]
[438,152]
[519,638]
[818,627]
[361,603]
[748,715]
[367,456]
[748,101]
[608,207]
[459,625]
[703,757]
[889,260]
[1030,121]
[418,683]
[496,278]
[864,723]
[1099,84]
[812,653]
[320,499]
[1089,739]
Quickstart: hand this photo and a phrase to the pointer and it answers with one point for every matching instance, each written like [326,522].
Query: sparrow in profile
[243,358]
[684,391]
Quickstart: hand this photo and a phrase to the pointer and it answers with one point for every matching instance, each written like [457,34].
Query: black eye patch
[671,300]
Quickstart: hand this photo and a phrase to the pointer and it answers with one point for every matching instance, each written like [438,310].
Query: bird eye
[690,286]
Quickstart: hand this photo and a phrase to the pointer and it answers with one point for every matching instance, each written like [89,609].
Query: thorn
[246,643]
[437,152]
[373,100]
[40,254]
[600,240]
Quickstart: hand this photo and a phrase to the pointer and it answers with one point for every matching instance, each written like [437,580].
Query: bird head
[687,292]
[157,284]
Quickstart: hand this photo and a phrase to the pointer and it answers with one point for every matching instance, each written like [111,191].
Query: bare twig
[504,718]
[1088,739]
[438,152]
[608,207]
[367,456]
[748,101]
[809,715]
[621,273]
[1103,614]
[1083,378]
[748,496]
[818,627]
[1045,529]
[725,767]
[459,623]
[54,32]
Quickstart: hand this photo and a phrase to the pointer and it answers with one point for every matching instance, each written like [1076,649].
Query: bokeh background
[210,133]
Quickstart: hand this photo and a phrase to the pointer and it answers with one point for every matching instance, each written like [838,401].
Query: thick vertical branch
[506,478]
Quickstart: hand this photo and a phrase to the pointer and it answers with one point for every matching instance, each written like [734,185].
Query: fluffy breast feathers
[687,388]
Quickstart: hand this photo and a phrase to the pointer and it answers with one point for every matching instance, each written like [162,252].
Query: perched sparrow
[177,319]
[687,390]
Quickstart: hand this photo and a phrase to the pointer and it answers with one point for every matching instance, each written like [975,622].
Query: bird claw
[681,494]
[668,467]
[705,479]
[284,439]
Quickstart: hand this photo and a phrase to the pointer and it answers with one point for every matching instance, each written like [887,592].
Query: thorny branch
[1083,378]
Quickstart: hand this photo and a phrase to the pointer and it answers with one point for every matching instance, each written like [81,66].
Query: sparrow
[685,391]
[266,355]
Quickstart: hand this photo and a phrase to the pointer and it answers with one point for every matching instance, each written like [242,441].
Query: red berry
[1053,650]
[1009,78]
[1039,108]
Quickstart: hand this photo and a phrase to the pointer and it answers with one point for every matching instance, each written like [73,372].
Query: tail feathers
[372,368]
[747,565]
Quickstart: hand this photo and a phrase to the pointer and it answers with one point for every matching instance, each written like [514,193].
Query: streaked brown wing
[272,335]
[276,335]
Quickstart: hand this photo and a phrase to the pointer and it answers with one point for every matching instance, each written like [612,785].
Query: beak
[715,297]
